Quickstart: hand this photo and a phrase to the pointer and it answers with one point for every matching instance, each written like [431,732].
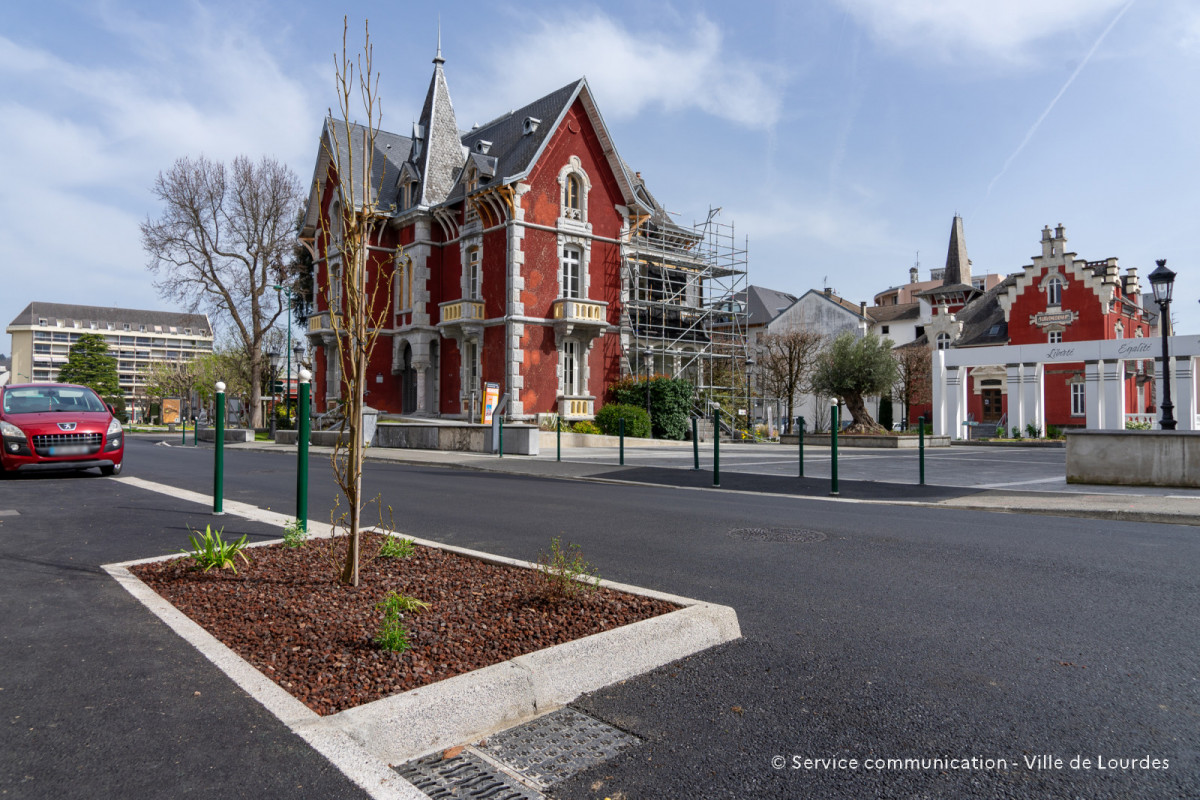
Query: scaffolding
[684,309]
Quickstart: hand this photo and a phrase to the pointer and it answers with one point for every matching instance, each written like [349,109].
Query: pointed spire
[958,266]
[438,58]
[439,154]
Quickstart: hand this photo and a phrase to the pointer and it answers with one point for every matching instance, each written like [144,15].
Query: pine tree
[89,364]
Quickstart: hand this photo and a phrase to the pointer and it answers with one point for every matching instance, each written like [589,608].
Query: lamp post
[1162,281]
[287,401]
[298,358]
[273,357]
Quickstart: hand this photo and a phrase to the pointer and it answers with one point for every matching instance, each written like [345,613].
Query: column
[1093,386]
[939,393]
[954,405]
[1031,396]
[422,370]
[1114,395]
[1183,393]
[1016,409]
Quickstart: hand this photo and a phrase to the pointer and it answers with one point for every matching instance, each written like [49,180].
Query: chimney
[913,275]
[1111,272]
[862,307]
[828,291]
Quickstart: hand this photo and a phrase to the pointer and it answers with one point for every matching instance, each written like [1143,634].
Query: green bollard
[695,447]
[303,425]
[195,432]
[219,457]
[183,426]
[800,431]
[716,447]
[558,438]
[833,436]
[621,433]
[502,437]
[921,446]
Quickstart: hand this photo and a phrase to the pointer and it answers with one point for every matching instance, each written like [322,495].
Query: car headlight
[114,427]
[10,430]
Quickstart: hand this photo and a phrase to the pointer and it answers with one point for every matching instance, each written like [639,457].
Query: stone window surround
[584,245]
[567,215]
[1053,274]
[582,351]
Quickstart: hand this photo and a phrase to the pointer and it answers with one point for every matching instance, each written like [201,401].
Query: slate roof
[441,156]
[958,266]
[763,305]
[894,313]
[52,312]
[512,148]
[391,151]
[983,318]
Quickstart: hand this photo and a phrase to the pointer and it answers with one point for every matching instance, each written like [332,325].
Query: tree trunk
[862,420]
[255,393]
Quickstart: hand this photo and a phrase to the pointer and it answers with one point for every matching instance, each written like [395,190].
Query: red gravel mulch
[287,615]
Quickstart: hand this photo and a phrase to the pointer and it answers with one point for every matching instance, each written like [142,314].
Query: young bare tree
[785,363]
[914,383]
[357,309]
[222,243]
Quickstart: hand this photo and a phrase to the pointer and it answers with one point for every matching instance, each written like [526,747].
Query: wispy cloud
[969,30]
[686,68]
[1034,128]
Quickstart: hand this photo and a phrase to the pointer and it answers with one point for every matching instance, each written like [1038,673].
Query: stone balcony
[575,316]
[319,323]
[577,407]
[462,318]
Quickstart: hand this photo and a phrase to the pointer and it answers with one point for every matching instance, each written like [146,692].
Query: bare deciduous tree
[785,363]
[913,385]
[222,242]
[358,309]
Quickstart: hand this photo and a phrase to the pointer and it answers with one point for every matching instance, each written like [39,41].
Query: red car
[55,426]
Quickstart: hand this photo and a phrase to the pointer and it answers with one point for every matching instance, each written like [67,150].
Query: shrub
[1033,431]
[585,426]
[886,416]
[1016,432]
[566,573]
[210,551]
[670,400]
[637,421]
[1054,432]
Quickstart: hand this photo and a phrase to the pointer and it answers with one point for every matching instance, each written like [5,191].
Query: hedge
[637,421]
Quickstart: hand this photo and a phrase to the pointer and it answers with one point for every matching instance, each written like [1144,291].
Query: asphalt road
[900,632]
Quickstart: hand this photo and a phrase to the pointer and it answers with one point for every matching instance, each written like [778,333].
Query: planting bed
[287,615]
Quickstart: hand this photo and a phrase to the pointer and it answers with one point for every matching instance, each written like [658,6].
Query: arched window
[572,201]
[1054,292]
[943,341]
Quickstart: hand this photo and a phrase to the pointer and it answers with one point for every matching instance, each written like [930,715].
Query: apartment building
[43,333]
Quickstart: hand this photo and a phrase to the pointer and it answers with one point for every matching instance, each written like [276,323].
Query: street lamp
[273,356]
[298,358]
[1162,280]
[287,400]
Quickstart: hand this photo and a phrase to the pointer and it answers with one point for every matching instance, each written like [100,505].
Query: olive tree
[854,368]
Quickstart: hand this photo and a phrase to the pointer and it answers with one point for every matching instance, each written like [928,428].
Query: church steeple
[958,266]
[437,149]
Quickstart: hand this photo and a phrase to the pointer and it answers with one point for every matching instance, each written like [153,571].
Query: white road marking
[1018,483]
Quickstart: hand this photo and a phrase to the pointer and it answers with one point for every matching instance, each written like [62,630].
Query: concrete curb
[364,741]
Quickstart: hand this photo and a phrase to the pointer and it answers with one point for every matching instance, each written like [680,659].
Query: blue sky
[840,136]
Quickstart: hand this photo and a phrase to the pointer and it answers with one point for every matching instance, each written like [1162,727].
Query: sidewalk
[1105,502]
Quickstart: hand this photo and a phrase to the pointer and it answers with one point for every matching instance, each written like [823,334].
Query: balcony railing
[576,407]
[575,310]
[319,322]
[462,311]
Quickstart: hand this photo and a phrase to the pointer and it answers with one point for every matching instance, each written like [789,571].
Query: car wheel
[115,469]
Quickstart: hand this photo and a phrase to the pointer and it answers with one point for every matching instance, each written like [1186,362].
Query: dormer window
[412,194]
[483,146]
[943,341]
[531,125]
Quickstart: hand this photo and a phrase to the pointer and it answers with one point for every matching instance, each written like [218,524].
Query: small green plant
[1033,431]
[294,534]
[393,635]
[208,550]
[1016,432]
[1054,432]
[565,571]
[585,426]
[396,547]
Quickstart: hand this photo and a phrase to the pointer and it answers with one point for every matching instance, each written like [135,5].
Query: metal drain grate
[554,747]
[801,535]
[464,776]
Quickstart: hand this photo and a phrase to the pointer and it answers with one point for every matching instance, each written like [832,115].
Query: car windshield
[39,399]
